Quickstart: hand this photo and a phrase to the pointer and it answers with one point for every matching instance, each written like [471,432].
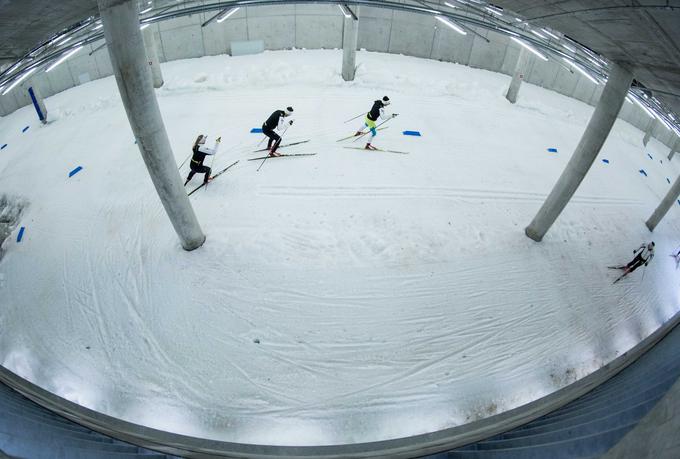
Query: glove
[219,139]
[394,115]
[291,122]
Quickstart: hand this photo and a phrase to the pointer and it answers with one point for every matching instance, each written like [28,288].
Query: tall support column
[349,44]
[675,148]
[665,205]
[130,67]
[648,132]
[517,76]
[587,150]
[152,57]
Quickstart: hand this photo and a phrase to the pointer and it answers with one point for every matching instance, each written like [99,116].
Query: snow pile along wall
[10,213]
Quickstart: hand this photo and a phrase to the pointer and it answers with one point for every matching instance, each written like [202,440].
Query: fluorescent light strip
[229,13]
[538,34]
[144,26]
[573,50]
[642,106]
[550,33]
[450,5]
[344,12]
[98,27]
[493,10]
[529,47]
[63,58]
[578,67]
[19,80]
[628,99]
[146,10]
[451,24]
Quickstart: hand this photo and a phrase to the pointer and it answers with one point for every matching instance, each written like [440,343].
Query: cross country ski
[378,149]
[213,178]
[282,146]
[282,156]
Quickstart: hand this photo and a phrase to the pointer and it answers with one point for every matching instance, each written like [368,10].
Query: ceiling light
[451,24]
[578,67]
[19,80]
[550,33]
[63,58]
[345,12]
[229,13]
[144,26]
[573,50]
[529,47]
[493,10]
[538,34]
[97,27]
[146,10]
[450,5]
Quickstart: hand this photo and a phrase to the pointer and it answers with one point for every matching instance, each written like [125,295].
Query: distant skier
[276,121]
[676,257]
[377,111]
[200,152]
[643,255]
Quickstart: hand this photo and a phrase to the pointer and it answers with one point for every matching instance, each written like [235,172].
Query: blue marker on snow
[650,156]
[642,171]
[3,147]
[20,236]
[668,180]
[606,161]
[413,133]
[256,131]
[75,171]
[25,129]
[552,150]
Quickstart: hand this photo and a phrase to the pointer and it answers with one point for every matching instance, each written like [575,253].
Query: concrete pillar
[587,150]
[517,76]
[648,132]
[130,67]
[675,148]
[152,57]
[38,103]
[666,203]
[349,46]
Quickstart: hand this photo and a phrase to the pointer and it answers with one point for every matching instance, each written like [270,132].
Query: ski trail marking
[75,171]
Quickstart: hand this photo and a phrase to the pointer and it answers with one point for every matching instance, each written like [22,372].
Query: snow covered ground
[346,297]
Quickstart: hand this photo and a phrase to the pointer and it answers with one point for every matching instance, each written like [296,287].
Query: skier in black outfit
[276,121]
[643,255]
[200,152]
[377,111]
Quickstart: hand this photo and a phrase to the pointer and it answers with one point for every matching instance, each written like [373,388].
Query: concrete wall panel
[319,31]
[451,46]
[510,61]
[584,89]
[543,73]
[565,82]
[277,32]
[61,78]
[83,68]
[182,43]
[374,33]
[270,11]
[218,36]
[320,10]
[412,39]
[489,56]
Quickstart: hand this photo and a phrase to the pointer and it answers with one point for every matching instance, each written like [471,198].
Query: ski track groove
[429,192]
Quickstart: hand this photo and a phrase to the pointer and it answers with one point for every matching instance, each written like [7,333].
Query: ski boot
[369,147]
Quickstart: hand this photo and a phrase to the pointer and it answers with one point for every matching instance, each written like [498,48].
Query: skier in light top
[377,111]
[276,121]
[643,255]
[200,152]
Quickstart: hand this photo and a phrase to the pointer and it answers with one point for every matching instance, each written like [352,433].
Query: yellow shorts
[370,123]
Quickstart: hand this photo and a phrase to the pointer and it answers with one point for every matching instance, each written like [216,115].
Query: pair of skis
[213,178]
[378,149]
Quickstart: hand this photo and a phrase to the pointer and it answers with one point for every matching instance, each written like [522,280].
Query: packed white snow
[345,297]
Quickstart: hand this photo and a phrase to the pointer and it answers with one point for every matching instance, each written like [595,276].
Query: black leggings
[274,138]
[635,263]
[199,169]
